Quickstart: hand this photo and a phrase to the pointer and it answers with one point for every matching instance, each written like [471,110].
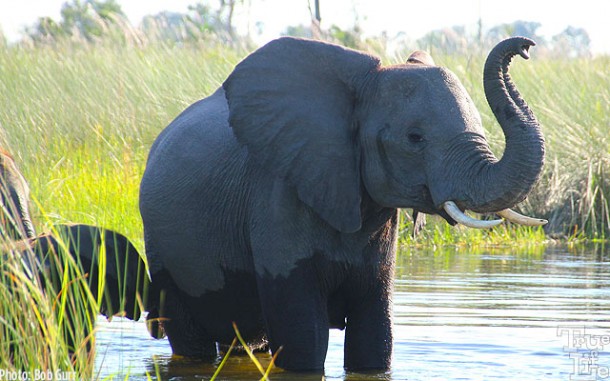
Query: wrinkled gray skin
[273,202]
[15,221]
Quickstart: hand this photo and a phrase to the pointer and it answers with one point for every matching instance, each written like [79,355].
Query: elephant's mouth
[425,204]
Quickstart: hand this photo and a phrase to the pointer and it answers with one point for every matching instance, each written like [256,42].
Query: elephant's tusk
[517,218]
[459,216]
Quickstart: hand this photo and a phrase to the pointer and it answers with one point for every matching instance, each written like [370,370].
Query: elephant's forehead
[421,83]
[453,101]
[433,94]
[439,84]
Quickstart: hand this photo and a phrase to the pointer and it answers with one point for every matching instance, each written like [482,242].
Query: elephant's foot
[199,349]
[189,341]
[186,338]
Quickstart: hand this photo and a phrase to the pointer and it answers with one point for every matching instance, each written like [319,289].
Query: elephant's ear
[291,103]
[420,57]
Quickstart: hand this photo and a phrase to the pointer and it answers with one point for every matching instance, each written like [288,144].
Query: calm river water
[506,314]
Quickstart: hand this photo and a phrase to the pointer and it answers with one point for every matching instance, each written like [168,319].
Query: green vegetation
[80,131]
[438,233]
[40,329]
[80,119]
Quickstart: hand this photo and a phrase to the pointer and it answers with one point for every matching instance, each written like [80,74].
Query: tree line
[213,21]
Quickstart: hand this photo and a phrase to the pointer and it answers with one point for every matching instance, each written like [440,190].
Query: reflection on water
[530,314]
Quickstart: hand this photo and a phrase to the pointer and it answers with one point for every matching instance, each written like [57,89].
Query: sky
[414,18]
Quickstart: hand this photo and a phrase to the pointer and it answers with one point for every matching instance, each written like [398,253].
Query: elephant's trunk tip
[524,51]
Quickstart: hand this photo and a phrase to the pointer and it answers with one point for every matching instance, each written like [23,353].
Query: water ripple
[458,316]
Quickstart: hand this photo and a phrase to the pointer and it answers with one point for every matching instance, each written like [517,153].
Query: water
[538,314]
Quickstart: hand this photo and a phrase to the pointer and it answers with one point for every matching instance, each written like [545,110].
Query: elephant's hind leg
[186,337]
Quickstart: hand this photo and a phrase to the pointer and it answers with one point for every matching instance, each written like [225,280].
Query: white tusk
[459,216]
[517,218]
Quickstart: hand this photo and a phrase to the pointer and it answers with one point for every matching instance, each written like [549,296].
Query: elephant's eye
[415,138]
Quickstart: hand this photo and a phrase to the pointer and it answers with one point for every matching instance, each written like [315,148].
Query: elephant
[125,277]
[273,202]
[15,221]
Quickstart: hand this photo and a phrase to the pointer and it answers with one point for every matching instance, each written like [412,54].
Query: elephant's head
[341,128]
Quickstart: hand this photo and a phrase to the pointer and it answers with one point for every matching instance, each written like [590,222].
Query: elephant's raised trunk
[501,184]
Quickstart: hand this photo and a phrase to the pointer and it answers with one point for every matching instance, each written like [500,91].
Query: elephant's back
[193,150]
[193,196]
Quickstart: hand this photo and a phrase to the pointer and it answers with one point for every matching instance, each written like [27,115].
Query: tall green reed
[45,328]
[80,119]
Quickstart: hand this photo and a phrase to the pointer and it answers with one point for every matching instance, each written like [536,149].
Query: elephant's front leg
[296,318]
[368,335]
